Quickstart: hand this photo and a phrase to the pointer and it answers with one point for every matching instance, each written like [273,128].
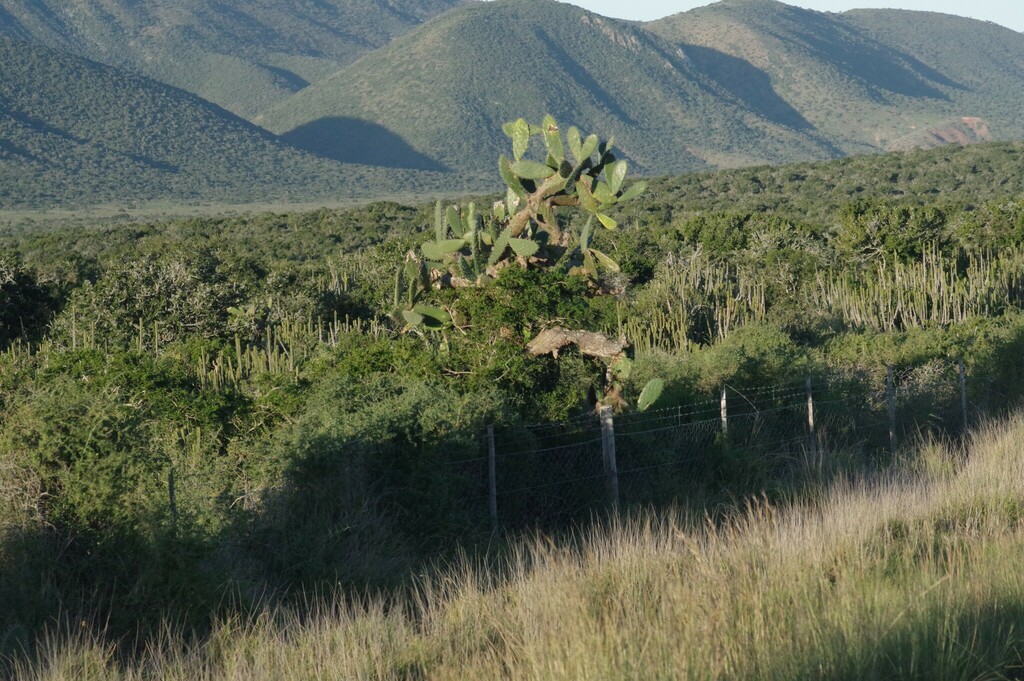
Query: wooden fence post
[611,468]
[890,400]
[963,392]
[725,413]
[811,433]
[492,477]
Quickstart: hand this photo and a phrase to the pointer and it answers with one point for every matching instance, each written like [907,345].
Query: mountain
[243,55]
[739,82]
[870,80]
[445,88]
[74,132]
[398,96]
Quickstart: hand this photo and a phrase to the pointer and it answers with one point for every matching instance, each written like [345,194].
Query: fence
[545,474]
[550,474]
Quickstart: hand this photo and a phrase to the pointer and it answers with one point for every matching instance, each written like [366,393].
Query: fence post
[492,478]
[890,400]
[812,434]
[611,468]
[963,391]
[725,413]
[172,495]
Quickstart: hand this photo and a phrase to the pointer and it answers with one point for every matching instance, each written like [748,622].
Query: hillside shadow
[863,58]
[583,78]
[288,79]
[352,140]
[747,83]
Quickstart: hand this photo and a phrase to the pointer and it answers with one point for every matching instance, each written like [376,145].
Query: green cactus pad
[553,139]
[438,250]
[634,191]
[519,131]
[439,226]
[531,170]
[589,265]
[616,174]
[650,394]
[606,262]
[575,144]
[587,200]
[604,194]
[509,178]
[454,222]
[587,234]
[431,317]
[412,318]
[524,248]
[608,222]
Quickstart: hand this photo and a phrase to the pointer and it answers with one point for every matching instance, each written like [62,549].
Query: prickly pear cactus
[471,246]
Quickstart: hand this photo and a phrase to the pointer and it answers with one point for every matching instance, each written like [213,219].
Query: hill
[240,54]
[870,80]
[74,132]
[445,89]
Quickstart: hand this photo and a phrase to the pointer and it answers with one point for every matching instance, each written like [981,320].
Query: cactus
[469,248]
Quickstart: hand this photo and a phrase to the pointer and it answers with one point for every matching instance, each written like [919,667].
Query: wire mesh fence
[551,474]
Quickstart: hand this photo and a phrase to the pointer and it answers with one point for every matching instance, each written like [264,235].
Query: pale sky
[1006,12]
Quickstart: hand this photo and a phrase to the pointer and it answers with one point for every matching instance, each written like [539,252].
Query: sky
[1009,13]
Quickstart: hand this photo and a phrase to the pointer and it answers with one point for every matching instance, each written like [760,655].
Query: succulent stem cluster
[471,246]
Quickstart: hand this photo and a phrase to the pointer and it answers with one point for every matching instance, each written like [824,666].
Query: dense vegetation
[261,368]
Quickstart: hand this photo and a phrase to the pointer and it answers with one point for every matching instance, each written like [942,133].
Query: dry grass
[916,575]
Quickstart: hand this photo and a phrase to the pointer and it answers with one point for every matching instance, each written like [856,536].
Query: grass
[908,573]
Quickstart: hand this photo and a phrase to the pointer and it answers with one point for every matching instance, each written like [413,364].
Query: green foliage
[867,230]
[312,441]
[25,303]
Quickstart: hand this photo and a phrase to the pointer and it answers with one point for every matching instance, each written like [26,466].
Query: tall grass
[912,573]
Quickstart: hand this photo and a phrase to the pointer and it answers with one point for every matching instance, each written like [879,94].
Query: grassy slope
[912,574]
[446,88]
[241,55]
[871,79]
[73,132]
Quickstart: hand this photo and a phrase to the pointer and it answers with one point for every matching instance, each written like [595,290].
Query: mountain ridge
[494,62]
[240,54]
[420,101]
[76,132]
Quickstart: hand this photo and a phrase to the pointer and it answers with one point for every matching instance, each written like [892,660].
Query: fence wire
[549,474]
